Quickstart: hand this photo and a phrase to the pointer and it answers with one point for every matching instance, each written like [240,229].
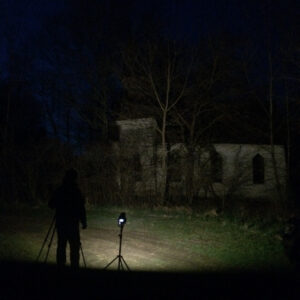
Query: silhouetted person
[69,204]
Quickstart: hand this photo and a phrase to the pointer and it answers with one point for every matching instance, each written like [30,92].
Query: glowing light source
[122,219]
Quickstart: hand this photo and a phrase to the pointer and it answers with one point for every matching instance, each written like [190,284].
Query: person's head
[71,176]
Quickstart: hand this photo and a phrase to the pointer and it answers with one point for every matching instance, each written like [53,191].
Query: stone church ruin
[216,170]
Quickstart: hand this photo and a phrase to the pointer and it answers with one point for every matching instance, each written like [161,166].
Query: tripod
[51,231]
[119,257]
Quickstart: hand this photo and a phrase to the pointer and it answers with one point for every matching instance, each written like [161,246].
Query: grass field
[153,240]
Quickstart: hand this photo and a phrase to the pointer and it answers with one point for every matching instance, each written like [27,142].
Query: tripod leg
[111,262]
[46,238]
[119,263]
[83,258]
[49,246]
[123,260]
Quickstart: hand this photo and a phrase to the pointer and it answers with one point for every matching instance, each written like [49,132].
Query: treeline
[93,63]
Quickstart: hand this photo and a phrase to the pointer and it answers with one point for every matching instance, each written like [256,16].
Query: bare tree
[156,74]
[199,111]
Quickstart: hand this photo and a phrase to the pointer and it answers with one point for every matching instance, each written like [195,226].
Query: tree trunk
[190,165]
[164,165]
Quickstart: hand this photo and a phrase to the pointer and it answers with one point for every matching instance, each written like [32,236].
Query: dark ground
[40,281]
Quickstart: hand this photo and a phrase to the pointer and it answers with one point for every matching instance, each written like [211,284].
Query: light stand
[119,257]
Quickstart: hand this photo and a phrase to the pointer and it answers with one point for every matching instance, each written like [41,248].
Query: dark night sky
[185,18]
[22,22]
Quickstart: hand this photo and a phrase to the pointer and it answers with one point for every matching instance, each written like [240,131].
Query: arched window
[216,167]
[258,167]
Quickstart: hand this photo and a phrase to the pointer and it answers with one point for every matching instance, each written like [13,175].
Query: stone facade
[244,170]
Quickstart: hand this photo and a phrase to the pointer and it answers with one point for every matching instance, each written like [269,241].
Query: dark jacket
[69,204]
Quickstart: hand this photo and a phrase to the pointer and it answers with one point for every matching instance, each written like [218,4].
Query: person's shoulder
[74,189]
[59,192]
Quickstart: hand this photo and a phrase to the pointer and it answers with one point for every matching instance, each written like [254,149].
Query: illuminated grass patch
[156,240]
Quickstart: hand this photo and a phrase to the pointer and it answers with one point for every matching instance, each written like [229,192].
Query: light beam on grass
[152,241]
